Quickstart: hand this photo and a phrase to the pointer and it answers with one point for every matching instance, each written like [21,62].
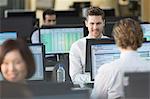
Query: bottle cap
[61,65]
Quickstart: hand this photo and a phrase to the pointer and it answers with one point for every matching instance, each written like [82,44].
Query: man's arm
[76,68]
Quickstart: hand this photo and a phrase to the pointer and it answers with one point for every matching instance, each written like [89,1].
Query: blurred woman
[16,61]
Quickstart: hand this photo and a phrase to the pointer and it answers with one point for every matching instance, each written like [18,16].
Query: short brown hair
[96,11]
[128,33]
[48,12]
[21,46]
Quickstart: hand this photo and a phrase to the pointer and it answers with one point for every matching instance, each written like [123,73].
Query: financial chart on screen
[105,53]
[59,40]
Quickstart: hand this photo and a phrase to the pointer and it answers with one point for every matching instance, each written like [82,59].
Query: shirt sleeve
[76,68]
[35,37]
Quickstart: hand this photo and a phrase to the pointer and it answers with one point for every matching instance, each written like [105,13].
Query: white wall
[104,4]
[64,4]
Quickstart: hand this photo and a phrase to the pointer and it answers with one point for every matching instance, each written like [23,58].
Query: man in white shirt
[109,79]
[95,23]
[49,19]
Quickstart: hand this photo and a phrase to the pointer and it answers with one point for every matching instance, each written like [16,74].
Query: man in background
[49,19]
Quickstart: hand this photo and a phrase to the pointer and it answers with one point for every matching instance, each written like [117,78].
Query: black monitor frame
[108,29]
[90,42]
[65,13]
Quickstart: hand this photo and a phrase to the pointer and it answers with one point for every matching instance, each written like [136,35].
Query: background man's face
[50,20]
[95,25]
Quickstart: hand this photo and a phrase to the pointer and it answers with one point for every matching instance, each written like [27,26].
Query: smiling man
[95,23]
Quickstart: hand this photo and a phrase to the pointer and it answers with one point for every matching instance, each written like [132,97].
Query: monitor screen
[105,52]
[37,50]
[90,42]
[146,30]
[59,39]
[7,35]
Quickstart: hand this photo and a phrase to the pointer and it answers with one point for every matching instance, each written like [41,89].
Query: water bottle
[60,73]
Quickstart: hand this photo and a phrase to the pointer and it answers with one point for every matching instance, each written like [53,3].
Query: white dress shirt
[109,80]
[77,62]
[35,37]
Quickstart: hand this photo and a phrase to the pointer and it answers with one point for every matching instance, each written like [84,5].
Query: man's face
[95,25]
[50,20]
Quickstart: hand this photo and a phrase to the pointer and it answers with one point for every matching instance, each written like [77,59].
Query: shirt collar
[88,37]
[128,54]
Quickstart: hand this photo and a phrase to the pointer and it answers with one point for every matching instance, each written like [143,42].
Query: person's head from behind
[16,61]
[95,22]
[49,17]
[128,34]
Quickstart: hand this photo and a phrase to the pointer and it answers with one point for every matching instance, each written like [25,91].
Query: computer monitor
[106,51]
[38,53]
[146,30]
[117,18]
[58,39]
[108,29]
[88,58]
[7,35]
[63,13]
[69,20]
[22,25]
[137,85]
[19,13]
